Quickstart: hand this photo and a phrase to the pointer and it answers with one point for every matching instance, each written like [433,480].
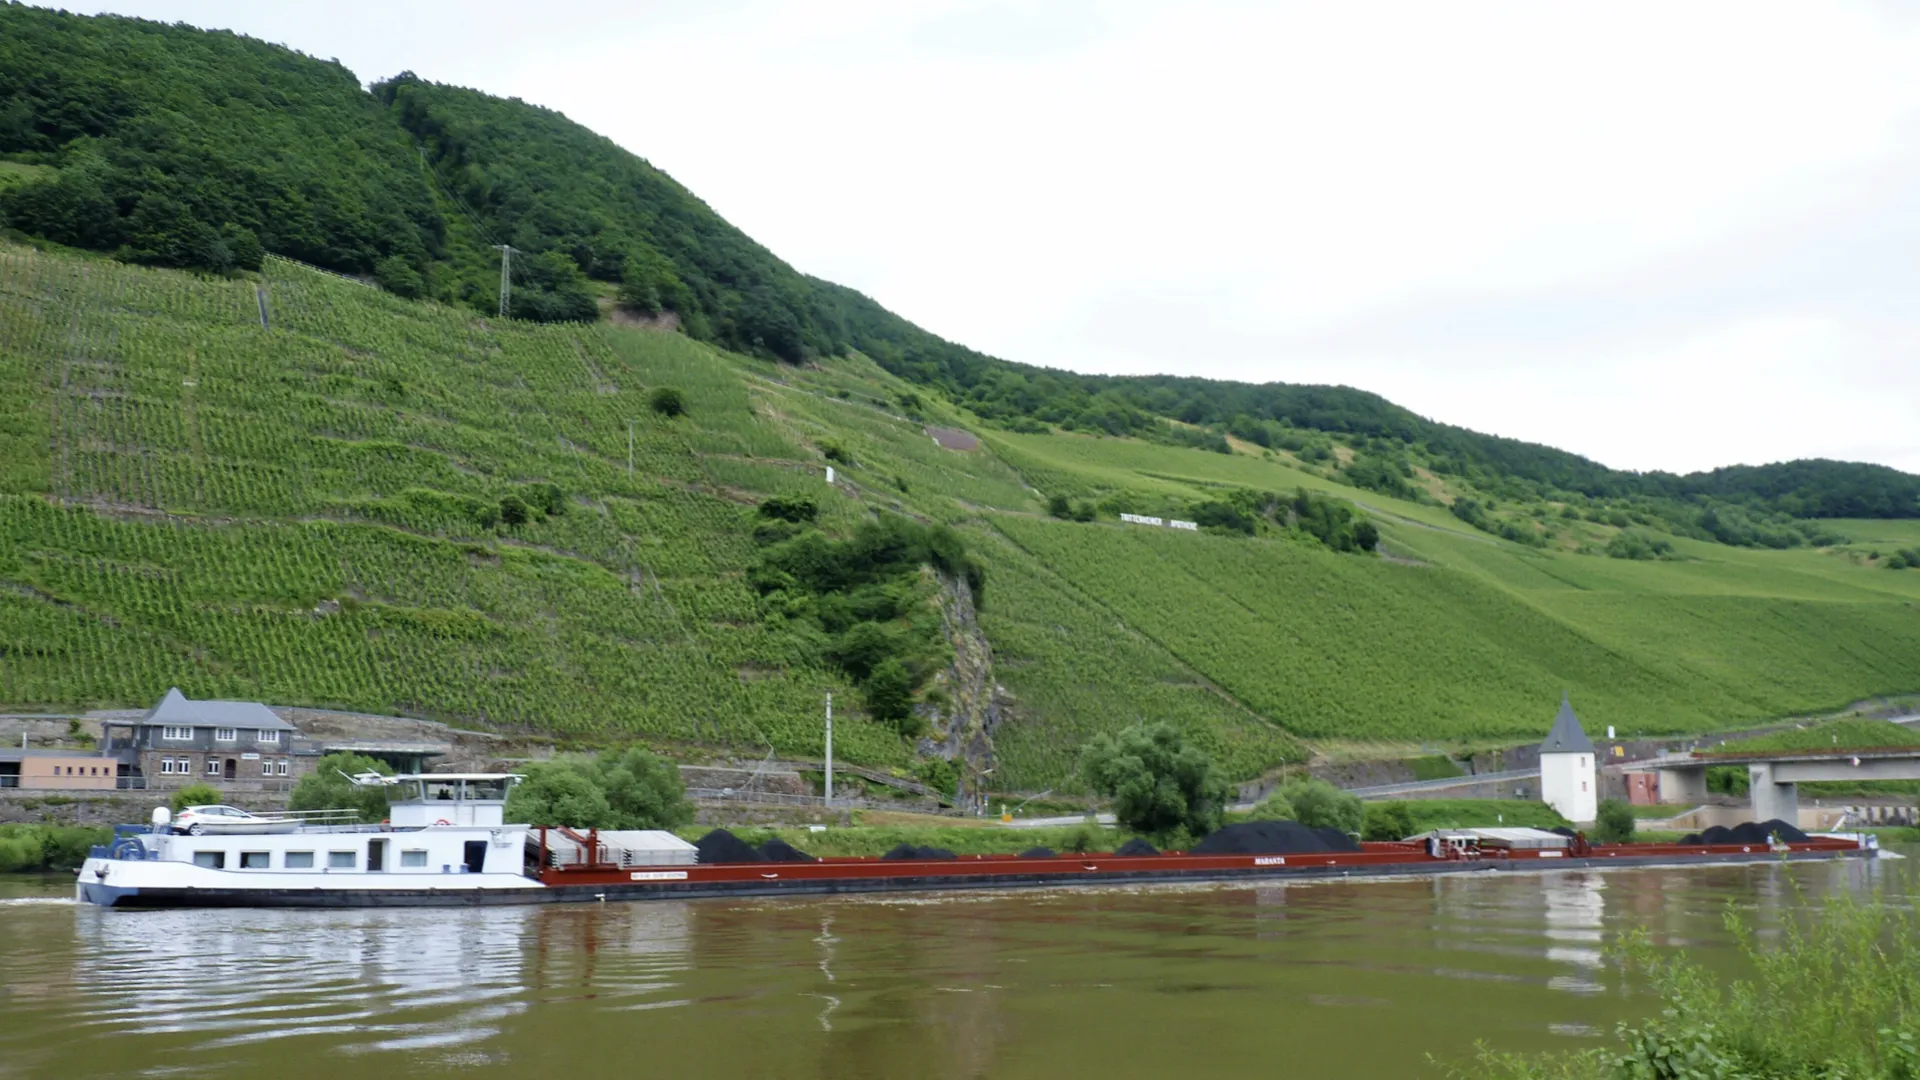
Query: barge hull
[792,880]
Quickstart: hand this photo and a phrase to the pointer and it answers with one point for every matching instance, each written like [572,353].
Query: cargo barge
[447,846]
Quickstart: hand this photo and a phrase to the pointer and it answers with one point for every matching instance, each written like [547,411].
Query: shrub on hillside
[514,511]
[790,508]
[667,401]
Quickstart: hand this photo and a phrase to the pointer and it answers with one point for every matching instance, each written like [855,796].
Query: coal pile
[908,851]
[778,850]
[1136,846]
[1038,853]
[720,846]
[1273,838]
[1747,832]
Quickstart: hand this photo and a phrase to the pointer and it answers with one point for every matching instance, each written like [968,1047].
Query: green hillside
[227,471]
[301,513]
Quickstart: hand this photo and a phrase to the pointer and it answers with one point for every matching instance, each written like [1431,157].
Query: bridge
[1774,775]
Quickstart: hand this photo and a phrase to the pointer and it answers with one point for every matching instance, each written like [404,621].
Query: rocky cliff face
[963,704]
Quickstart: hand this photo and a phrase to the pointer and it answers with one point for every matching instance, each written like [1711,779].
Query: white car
[218,820]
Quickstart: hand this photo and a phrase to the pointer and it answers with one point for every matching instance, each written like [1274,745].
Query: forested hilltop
[608,518]
[171,146]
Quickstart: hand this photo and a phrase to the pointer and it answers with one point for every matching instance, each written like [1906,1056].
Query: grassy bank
[33,849]
[1835,994]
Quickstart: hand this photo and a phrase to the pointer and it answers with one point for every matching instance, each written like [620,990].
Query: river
[1346,978]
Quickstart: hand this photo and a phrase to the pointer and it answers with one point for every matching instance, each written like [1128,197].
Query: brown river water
[1338,978]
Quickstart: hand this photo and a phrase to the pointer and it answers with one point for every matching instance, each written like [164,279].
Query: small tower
[1568,781]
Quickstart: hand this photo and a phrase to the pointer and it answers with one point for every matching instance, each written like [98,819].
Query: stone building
[1569,778]
[239,745]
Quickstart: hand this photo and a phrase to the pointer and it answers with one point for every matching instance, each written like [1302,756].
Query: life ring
[443,821]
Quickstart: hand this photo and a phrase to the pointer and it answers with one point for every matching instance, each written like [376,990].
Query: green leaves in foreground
[1836,993]
[1159,784]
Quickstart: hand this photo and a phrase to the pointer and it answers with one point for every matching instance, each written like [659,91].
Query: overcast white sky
[1662,235]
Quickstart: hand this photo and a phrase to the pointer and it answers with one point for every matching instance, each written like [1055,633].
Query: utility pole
[829,751]
[506,278]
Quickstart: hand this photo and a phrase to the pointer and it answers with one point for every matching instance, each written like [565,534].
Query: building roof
[177,709]
[1565,737]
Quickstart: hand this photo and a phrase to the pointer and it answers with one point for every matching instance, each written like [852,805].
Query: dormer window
[225,734]
[267,738]
[177,734]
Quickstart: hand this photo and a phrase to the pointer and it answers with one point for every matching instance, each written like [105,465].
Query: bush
[1059,506]
[667,401]
[1160,785]
[1319,805]
[32,849]
[1275,807]
[195,795]
[327,787]
[626,789]
[794,509]
[546,498]
[835,450]
[1614,822]
[1388,821]
[399,277]
[888,692]
[514,511]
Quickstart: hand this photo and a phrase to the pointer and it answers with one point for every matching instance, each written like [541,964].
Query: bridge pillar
[1772,798]
[1687,786]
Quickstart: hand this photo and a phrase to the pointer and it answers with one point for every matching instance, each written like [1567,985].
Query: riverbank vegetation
[33,849]
[876,840]
[1833,993]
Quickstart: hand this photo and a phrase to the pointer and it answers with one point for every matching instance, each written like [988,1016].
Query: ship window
[341,860]
[225,734]
[177,734]
[212,860]
[256,860]
[301,860]
[413,858]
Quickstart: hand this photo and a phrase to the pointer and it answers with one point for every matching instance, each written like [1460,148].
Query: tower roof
[1565,737]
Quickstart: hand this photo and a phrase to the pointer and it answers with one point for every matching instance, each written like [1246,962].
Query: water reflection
[1576,909]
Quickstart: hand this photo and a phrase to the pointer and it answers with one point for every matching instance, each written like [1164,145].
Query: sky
[1665,236]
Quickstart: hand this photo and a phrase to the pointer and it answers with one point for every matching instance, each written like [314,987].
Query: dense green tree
[560,793]
[1157,781]
[1323,806]
[888,693]
[1388,821]
[327,787]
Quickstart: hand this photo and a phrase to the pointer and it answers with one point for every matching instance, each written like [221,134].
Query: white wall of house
[1571,785]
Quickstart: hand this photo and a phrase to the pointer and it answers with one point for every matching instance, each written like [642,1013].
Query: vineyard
[287,488]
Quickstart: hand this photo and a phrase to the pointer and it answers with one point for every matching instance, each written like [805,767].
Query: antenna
[506,278]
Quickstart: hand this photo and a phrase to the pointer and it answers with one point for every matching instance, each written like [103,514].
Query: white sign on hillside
[1141,519]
